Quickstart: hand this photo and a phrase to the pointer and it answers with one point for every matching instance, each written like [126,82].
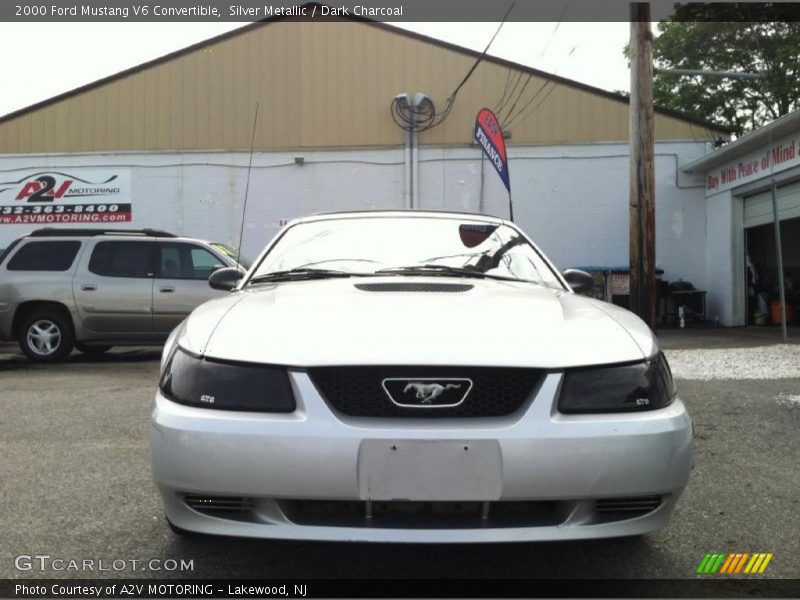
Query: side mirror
[225,279]
[580,281]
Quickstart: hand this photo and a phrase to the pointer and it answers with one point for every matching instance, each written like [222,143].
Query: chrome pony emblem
[427,392]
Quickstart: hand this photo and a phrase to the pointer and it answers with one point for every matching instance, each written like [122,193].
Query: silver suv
[96,288]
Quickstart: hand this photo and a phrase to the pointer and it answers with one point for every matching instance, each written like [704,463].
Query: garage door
[758,208]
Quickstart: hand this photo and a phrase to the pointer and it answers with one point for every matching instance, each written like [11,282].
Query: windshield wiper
[433,270]
[300,273]
[446,271]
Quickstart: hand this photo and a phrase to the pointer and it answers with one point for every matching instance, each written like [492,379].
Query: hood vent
[414,287]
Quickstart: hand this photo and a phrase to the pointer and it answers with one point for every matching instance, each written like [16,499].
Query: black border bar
[381,10]
[706,587]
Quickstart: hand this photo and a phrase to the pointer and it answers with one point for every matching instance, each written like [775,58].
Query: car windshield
[406,246]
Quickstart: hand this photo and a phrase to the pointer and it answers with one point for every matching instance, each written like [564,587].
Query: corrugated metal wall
[319,85]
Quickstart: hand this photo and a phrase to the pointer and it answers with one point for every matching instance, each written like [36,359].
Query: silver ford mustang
[415,377]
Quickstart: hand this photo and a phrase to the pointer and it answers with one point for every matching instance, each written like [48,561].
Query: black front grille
[359,391]
[426,515]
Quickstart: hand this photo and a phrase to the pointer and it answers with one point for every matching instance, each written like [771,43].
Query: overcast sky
[45,59]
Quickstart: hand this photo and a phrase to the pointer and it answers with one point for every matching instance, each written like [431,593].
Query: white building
[167,146]
[740,219]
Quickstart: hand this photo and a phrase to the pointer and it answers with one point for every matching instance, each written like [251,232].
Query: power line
[530,75]
[483,54]
[424,117]
[538,104]
[509,78]
[511,92]
[551,83]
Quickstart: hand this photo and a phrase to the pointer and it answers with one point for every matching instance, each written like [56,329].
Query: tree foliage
[730,38]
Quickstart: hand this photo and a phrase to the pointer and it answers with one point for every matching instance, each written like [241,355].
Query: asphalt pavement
[75,484]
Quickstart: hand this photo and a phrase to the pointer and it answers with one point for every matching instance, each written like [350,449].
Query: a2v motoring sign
[58,197]
[490,137]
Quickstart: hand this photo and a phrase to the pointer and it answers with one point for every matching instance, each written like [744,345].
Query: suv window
[44,256]
[186,261]
[122,259]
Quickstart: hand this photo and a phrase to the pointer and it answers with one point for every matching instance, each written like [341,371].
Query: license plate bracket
[430,470]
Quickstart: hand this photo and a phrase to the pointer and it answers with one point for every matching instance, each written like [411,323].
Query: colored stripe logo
[734,562]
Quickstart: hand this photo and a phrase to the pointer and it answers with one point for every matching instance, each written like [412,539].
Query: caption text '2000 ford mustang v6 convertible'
[415,377]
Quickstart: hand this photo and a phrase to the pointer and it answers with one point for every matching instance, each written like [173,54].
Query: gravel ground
[762,362]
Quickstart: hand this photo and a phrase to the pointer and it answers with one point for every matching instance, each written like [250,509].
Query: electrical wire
[543,87]
[424,117]
[551,83]
[483,54]
[530,75]
[512,73]
[522,91]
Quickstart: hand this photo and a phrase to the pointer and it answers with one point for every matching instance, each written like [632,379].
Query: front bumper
[275,461]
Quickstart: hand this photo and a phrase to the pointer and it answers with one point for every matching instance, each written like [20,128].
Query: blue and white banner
[490,137]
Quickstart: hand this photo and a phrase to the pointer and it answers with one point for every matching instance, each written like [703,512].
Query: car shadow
[240,557]
[12,359]
[116,356]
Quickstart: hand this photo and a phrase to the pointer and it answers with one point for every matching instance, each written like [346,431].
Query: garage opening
[761,260]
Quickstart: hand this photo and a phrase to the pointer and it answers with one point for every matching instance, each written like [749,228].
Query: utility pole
[643,291]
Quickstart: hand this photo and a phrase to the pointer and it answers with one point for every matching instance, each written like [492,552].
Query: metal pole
[414,164]
[779,256]
[483,182]
[414,168]
[407,174]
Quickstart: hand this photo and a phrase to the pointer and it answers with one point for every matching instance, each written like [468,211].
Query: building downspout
[407,202]
[419,101]
[414,169]
[483,187]
[408,121]
[401,104]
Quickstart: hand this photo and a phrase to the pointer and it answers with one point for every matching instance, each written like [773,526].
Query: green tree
[730,38]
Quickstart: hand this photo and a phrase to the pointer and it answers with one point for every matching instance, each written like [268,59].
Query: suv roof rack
[63,232]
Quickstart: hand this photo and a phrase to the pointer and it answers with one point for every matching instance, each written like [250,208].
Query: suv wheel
[92,350]
[46,337]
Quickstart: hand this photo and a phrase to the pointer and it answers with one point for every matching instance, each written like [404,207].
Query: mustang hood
[493,323]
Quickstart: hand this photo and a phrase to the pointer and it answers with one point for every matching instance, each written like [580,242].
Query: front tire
[46,336]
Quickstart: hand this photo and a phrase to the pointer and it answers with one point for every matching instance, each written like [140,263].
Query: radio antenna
[247,185]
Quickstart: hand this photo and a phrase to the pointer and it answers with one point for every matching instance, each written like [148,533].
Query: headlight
[624,388]
[209,383]
[171,343]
